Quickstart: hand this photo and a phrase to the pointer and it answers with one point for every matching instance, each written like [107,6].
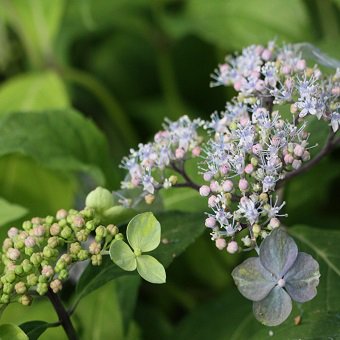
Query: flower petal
[303,278]
[274,309]
[278,252]
[253,280]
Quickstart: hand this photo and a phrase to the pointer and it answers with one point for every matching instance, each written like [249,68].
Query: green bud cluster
[38,256]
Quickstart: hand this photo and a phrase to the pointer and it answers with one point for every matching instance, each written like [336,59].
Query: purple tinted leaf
[274,309]
[278,252]
[303,278]
[252,280]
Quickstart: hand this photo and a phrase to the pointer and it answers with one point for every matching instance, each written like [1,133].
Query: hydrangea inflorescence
[39,255]
[248,151]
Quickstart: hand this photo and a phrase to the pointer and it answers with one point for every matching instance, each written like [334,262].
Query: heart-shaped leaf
[150,269]
[144,232]
[122,255]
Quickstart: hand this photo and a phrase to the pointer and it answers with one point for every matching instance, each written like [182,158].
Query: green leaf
[144,232]
[122,255]
[44,195]
[95,277]
[11,332]
[33,329]
[10,212]
[179,230]
[37,22]
[246,22]
[150,269]
[60,140]
[33,91]
[99,315]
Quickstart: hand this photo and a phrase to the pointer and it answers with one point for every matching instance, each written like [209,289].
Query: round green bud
[83,255]
[96,260]
[88,213]
[82,235]
[27,225]
[8,288]
[119,236]
[254,161]
[29,251]
[25,300]
[4,299]
[66,232]
[42,288]
[53,242]
[49,220]
[31,280]
[75,248]
[63,274]
[10,276]
[26,266]
[19,244]
[99,199]
[112,229]
[90,225]
[56,285]
[18,269]
[62,222]
[42,279]
[36,259]
[66,258]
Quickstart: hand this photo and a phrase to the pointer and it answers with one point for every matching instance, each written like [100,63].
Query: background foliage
[83,81]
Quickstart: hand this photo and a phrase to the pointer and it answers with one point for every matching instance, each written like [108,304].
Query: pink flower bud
[210,222]
[56,285]
[47,271]
[220,243]
[214,186]
[39,230]
[78,221]
[196,151]
[135,181]
[13,254]
[227,185]
[257,148]
[299,150]
[232,247]
[224,169]
[244,121]
[306,156]
[212,201]
[288,158]
[207,176]
[301,65]
[204,190]
[55,229]
[274,222]
[179,153]
[243,184]
[62,213]
[286,69]
[266,54]
[249,169]
[30,242]
[336,91]
[12,232]
[296,164]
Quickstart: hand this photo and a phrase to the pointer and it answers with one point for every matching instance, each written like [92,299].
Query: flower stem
[64,317]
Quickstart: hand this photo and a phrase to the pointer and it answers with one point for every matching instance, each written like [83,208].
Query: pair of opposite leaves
[143,234]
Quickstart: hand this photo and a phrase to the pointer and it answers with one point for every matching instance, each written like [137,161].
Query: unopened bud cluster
[39,255]
[171,147]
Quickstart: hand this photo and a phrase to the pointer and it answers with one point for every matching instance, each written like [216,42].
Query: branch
[189,183]
[64,317]
[328,147]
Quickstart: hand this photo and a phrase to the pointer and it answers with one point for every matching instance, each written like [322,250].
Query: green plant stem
[116,115]
[64,317]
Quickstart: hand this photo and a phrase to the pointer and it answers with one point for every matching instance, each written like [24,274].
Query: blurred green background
[125,65]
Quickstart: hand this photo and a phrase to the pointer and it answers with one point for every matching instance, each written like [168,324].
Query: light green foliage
[34,92]
[143,233]
[12,332]
[10,212]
